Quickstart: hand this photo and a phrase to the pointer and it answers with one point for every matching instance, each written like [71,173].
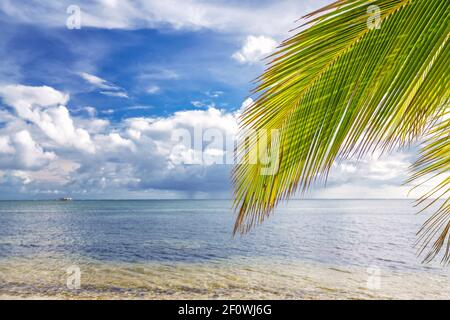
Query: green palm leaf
[339,88]
[434,164]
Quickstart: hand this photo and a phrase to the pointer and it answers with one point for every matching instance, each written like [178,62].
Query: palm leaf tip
[339,89]
[433,166]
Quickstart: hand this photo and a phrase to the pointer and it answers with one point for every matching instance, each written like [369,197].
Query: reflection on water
[184,249]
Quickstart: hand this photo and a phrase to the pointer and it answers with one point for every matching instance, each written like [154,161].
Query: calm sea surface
[185,249]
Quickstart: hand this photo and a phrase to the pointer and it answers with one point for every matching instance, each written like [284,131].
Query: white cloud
[58,125]
[114,142]
[97,81]
[203,104]
[223,16]
[43,107]
[118,94]
[22,176]
[107,111]
[5,146]
[153,73]
[153,90]
[51,149]
[91,111]
[108,88]
[197,104]
[139,108]
[29,153]
[255,49]
[27,100]
[247,103]
[131,155]
[214,94]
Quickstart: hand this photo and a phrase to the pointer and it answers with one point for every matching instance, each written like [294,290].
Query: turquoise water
[185,250]
[338,232]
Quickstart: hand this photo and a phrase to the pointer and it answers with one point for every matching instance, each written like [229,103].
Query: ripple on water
[238,278]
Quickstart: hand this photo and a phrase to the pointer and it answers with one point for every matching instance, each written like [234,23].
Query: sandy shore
[240,279]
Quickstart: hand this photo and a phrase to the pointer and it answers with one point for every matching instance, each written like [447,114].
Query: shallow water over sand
[232,279]
[342,249]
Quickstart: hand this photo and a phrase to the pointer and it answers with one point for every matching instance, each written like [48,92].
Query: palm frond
[434,165]
[337,89]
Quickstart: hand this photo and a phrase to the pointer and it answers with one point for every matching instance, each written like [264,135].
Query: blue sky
[89,112]
[186,55]
[181,66]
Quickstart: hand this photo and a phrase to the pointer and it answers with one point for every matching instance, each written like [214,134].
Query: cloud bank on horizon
[90,113]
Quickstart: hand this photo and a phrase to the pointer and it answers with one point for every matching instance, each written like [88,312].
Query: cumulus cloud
[255,49]
[5,146]
[43,107]
[24,98]
[20,151]
[92,155]
[246,104]
[44,150]
[29,154]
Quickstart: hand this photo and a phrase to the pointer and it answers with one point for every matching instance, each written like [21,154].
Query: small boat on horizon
[65,199]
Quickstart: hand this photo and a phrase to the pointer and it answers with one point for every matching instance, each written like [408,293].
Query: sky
[91,93]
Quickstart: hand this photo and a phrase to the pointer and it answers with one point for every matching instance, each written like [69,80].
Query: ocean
[184,249]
